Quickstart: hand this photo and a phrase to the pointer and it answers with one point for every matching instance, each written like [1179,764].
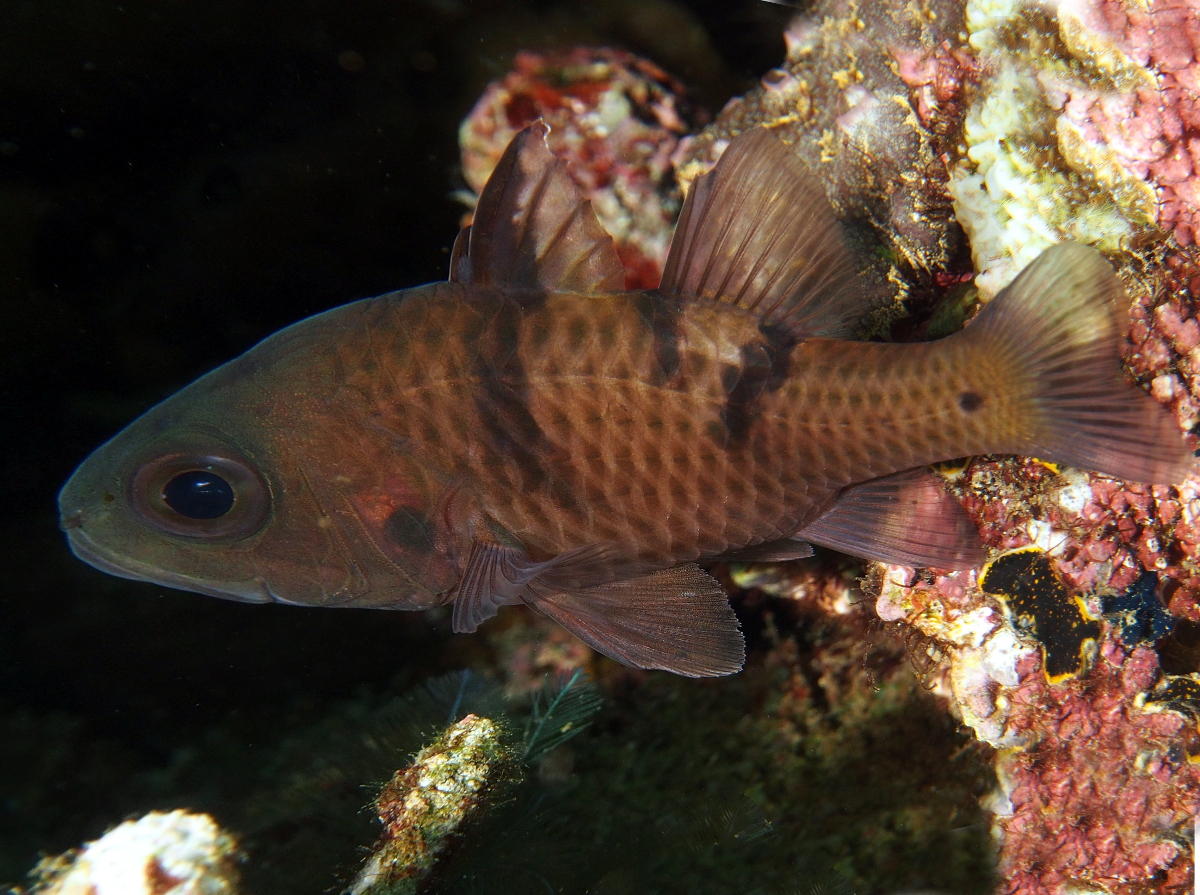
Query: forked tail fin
[1061,323]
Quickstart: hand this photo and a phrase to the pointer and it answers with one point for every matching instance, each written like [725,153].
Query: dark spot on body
[607,331]
[730,376]
[502,399]
[577,331]
[539,337]
[679,493]
[409,529]
[764,367]
[970,401]
[563,495]
[661,318]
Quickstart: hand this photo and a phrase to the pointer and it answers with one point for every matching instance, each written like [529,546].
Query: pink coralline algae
[616,120]
[1103,795]
[1151,124]
[1098,785]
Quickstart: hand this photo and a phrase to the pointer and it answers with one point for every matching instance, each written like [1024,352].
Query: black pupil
[199,495]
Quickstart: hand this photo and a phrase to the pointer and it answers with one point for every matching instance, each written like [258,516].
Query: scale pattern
[677,430]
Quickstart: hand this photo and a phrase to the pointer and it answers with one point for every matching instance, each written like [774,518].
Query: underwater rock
[869,96]
[616,120]
[1104,792]
[423,806]
[1097,776]
[175,853]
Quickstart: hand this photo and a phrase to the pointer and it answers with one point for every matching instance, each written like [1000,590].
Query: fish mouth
[252,591]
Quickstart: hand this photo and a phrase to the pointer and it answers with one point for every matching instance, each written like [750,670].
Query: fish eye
[205,496]
[199,494]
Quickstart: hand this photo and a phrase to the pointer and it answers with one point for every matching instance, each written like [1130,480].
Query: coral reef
[1097,788]
[1074,652]
[616,120]
[174,853]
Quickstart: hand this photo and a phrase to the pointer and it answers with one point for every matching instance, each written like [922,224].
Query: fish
[529,432]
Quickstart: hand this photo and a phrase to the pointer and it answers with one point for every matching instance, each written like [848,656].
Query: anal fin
[675,620]
[906,518]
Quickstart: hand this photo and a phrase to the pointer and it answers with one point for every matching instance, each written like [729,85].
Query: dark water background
[177,181]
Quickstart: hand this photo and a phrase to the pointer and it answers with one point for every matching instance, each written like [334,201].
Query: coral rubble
[615,119]
[175,853]
[424,805]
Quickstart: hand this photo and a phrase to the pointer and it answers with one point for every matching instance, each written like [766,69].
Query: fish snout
[68,521]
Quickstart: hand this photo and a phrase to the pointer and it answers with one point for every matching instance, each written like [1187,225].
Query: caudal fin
[1062,322]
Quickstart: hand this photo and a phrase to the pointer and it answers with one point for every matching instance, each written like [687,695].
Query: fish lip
[251,591]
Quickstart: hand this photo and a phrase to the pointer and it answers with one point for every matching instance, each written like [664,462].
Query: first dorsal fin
[758,232]
[533,231]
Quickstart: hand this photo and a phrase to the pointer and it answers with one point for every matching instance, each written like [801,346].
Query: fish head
[245,485]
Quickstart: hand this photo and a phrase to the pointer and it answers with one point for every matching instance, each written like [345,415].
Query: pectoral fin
[497,575]
[675,619]
[906,518]
[494,576]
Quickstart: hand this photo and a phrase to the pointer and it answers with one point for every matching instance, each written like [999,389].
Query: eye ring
[154,494]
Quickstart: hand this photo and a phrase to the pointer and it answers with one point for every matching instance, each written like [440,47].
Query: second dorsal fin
[758,232]
[533,231]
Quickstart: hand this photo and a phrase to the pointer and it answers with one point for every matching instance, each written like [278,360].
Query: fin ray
[906,518]
[783,550]
[496,575]
[534,231]
[758,232]
[674,619]
[1061,324]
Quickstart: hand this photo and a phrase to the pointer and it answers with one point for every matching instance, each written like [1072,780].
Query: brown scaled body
[676,429]
[529,432]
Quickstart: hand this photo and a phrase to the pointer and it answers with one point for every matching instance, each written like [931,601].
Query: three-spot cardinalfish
[529,432]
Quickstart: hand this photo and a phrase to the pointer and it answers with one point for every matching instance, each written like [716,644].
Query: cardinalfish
[529,432]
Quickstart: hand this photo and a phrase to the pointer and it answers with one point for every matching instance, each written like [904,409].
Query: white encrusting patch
[1031,178]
